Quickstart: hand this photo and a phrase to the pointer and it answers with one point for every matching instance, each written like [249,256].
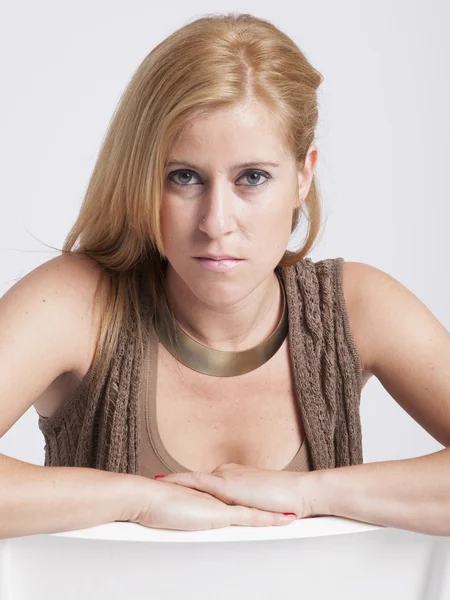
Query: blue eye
[259,174]
[191,174]
[174,173]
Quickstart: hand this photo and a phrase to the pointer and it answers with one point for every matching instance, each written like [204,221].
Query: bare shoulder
[377,305]
[354,275]
[77,277]
[404,346]
[47,324]
[76,270]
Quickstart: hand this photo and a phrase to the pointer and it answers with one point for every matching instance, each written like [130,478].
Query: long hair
[213,62]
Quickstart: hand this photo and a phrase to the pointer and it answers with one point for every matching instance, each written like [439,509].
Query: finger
[188,479]
[186,482]
[197,480]
[253,517]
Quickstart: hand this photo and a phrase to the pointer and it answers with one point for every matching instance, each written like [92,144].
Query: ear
[305,174]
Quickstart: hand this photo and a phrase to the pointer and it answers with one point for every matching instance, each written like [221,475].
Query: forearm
[36,499]
[411,494]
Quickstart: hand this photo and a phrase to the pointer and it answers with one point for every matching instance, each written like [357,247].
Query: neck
[234,326]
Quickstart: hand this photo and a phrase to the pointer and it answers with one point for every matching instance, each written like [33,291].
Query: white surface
[314,558]
[302,528]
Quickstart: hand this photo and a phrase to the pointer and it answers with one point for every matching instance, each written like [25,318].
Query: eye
[184,172]
[190,174]
[258,174]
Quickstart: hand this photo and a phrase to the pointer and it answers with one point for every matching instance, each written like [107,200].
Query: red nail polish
[289,514]
[158,476]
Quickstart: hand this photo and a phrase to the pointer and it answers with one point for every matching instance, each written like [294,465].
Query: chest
[204,421]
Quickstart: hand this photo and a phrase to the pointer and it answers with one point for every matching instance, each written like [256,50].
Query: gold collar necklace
[219,363]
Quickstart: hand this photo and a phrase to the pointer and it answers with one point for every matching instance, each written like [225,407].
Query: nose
[217,218]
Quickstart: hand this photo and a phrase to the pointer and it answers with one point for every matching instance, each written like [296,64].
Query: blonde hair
[213,62]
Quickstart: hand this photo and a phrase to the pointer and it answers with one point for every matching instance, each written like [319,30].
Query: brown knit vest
[99,424]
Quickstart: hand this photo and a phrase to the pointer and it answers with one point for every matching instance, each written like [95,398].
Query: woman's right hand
[165,505]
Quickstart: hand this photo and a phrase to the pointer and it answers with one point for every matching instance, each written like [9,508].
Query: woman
[186,300]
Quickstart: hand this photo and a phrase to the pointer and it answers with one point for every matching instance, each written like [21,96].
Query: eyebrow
[240,166]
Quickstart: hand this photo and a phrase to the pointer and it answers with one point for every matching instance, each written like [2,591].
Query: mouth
[219,257]
[212,264]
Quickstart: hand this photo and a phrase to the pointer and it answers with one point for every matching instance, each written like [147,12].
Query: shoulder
[65,270]
[407,348]
[65,281]
[355,275]
[46,320]
[77,276]
[380,308]
[76,280]
[92,286]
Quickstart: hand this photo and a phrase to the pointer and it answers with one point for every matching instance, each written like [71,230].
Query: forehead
[234,133]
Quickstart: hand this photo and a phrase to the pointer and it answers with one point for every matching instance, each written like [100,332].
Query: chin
[216,293]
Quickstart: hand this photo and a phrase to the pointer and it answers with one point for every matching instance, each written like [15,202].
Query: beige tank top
[154,458]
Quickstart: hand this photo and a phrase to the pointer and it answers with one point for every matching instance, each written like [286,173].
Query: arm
[44,322]
[410,355]
[411,494]
[37,499]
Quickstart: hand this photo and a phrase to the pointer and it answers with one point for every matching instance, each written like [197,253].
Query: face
[213,203]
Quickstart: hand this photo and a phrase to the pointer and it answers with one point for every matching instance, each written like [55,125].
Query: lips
[219,257]
[218,266]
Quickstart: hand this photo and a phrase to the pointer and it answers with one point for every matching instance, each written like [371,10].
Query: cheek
[168,229]
[276,225]
[276,233]
[170,217]
[175,229]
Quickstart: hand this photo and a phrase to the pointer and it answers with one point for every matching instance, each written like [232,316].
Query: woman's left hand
[265,489]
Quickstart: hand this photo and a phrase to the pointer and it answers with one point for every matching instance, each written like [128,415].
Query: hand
[169,506]
[263,489]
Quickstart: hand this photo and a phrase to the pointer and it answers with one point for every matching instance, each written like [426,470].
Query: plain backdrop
[383,140]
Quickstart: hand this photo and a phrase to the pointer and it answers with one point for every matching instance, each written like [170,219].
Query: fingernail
[158,476]
[289,514]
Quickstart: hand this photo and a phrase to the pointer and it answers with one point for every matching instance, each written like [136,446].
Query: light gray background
[383,140]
